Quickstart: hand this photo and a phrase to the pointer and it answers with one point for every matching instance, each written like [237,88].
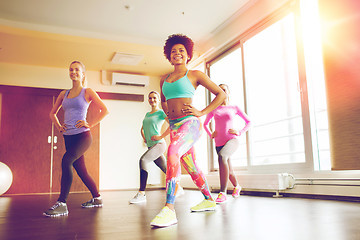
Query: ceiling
[53,33]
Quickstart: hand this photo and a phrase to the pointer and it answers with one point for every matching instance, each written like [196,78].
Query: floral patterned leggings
[184,133]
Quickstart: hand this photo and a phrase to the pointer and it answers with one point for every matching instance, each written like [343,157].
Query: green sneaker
[94,202]
[205,205]
[57,210]
[165,218]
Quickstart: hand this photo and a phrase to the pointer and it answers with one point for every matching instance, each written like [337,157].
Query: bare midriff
[176,105]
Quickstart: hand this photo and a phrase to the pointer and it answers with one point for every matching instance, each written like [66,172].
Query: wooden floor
[247,217]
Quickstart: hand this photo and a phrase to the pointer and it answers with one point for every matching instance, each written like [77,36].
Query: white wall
[238,24]
[121,146]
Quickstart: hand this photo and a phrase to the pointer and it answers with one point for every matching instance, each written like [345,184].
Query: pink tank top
[224,118]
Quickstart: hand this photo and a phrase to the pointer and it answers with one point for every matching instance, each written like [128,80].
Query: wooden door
[25,130]
[26,135]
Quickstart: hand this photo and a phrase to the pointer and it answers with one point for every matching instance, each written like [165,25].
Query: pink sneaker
[236,192]
[221,198]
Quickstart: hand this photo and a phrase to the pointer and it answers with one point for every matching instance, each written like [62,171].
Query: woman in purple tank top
[76,132]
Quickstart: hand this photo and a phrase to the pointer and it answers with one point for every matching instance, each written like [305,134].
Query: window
[316,84]
[228,70]
[274,101]
[280,84]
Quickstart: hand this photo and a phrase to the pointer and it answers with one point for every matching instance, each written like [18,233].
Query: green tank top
[152,124]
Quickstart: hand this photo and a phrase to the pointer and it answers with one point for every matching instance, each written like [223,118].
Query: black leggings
[76,145]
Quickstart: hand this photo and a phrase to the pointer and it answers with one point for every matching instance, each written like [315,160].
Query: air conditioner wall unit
[130,79]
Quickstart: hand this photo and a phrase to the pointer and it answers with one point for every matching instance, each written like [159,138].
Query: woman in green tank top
[154,140]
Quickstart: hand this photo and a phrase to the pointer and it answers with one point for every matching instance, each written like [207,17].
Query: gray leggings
[228,149]
[153,154]
[225,168]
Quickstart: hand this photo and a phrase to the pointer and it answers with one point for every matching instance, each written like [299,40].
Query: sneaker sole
[137,202]
[93,206]
[56,215]
[164,225]
[220,202]
[204,209]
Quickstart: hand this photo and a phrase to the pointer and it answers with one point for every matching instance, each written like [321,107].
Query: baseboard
[301,195]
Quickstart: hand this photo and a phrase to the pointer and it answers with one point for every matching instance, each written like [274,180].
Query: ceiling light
[126,59]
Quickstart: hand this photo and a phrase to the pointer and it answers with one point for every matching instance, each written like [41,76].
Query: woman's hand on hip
[214,134]
[156,138]
[81,123]
[188,109]
[234,132]
[62,128]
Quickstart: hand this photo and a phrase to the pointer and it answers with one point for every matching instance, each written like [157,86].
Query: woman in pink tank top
[226,141]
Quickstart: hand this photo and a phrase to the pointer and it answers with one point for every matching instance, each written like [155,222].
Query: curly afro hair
[179,39]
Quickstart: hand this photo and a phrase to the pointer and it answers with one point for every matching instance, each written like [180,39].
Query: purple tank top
[75,109]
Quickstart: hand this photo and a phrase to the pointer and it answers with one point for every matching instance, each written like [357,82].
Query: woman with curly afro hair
[177,91]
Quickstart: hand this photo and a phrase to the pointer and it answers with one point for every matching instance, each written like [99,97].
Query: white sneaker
[138,198]
[180,191]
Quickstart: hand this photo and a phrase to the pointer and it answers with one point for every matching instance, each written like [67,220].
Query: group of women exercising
[185,127]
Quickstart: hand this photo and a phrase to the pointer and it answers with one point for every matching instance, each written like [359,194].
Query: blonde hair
[84,71]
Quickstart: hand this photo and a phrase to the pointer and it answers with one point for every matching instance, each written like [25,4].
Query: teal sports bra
[181,88]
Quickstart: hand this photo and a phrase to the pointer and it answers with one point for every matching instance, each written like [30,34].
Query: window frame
[308,165]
